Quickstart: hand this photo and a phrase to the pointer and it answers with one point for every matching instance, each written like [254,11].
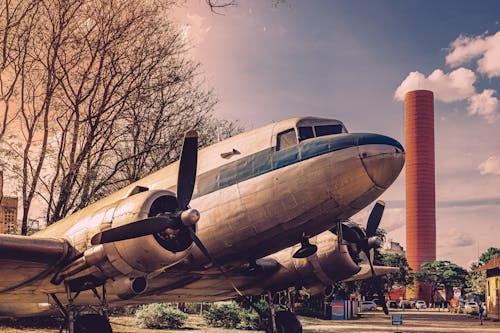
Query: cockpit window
[305,133]
[328,129]
[286,139]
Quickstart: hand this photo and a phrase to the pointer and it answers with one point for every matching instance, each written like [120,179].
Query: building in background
[8,211]
[492,289]
[420,184]
[391,247]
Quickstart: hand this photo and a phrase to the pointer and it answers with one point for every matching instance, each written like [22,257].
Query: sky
[354,61]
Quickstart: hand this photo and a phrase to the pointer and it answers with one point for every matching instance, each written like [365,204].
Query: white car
[421,305]
[368,306]
[471,306]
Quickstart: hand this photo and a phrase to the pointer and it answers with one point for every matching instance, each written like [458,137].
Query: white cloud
[485,105]
[455,237]
[486,48]
[455,86]
[490,166]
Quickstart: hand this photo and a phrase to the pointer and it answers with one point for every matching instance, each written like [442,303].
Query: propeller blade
[187,169]
[369,257]
[202,247]
[204,250]
[151,225]
[374,219]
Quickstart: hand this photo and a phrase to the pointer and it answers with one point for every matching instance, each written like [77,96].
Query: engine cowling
[135,257]
[329,264]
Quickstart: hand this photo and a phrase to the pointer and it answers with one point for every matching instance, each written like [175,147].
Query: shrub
[159,315]
[249,320]
[224,315]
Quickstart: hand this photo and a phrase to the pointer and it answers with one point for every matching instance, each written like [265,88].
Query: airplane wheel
[287,322]
[92,323]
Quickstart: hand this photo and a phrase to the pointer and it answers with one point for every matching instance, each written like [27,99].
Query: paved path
[373,322]
[413,321]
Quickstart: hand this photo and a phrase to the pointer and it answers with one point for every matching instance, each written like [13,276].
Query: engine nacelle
[138,256]
[329,264]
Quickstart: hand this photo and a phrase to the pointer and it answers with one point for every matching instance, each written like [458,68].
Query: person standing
[481,311]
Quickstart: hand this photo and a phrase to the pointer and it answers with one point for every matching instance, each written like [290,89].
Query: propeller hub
[190,217]
[374,242]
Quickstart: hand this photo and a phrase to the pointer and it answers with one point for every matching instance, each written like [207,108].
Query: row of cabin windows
[289,138]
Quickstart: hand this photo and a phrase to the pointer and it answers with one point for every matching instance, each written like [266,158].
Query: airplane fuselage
[258,193]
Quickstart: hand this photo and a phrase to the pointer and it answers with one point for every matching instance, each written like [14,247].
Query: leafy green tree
[490,254]
[442,274]
[404,276]
[476,281]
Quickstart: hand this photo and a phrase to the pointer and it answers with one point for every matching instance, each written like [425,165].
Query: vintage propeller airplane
[265,209]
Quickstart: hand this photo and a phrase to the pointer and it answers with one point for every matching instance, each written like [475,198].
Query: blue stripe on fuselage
[269,159]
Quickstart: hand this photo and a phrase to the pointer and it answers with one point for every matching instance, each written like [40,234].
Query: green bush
[249,320]
[159,315]
[223,315]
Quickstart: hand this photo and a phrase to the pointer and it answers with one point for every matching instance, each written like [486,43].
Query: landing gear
[287,322]
[92,323]
[84,319]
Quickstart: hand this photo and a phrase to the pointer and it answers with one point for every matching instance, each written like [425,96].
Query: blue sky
[345,60]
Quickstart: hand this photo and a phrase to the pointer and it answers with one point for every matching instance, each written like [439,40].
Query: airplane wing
[25,260]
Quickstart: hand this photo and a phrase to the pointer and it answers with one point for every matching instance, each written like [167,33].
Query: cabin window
[286,139]
[305,133]
[328,129]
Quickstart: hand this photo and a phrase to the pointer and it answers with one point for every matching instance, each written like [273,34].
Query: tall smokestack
[420,178]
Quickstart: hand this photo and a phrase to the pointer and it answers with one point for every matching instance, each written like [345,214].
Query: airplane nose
[382,157]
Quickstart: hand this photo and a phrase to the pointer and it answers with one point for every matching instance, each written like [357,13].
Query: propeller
[184,217]
[371,241]
[367,243]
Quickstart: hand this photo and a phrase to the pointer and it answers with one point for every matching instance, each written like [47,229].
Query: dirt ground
[413,322]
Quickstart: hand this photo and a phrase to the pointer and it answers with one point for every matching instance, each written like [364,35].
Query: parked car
[471,307]
[368,306]
[392,304]
[404,304]
[420,305]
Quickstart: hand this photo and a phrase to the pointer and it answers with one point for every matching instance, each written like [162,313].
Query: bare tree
[104,92]
[16,19]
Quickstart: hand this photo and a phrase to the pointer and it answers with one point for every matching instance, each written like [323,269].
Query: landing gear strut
[84,319]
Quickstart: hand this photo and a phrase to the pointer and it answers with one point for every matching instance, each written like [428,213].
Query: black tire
[287,322]
[92,323]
